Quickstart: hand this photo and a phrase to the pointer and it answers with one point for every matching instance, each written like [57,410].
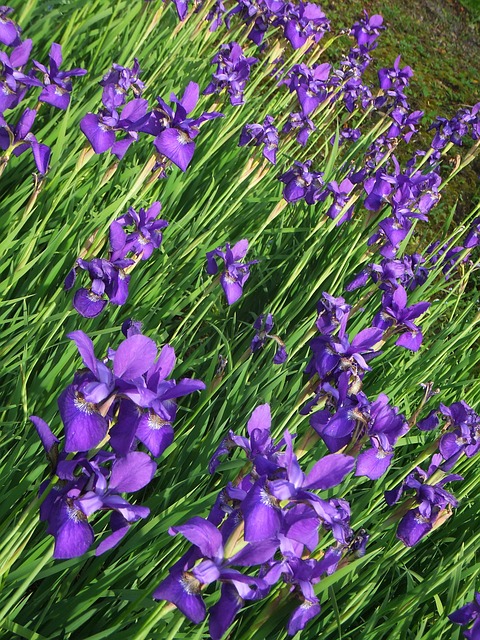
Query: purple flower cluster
[133,237]
[461,431]
[299,22]
[119,115]
[432,501]
[15,82]
[465,122]
[270,518]
[126,401]
[411,195]
[232,72]
[173,131]
[348,418]
[235,272]
[257,134]
[301,183]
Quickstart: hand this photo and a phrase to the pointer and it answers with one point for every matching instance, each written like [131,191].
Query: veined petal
[177,146]
[134,357]
[132,473]
[85,428]
[329,471]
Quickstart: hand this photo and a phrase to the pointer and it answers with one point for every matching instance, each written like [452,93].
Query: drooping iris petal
[74,536]
[373,463]
[85,428]
[44,433]
[329,471]
[88,304]
[155,433]
[97,134]
[183,590]
[204,535]
[177,146]
[133,472]
[412,527]
[262,516]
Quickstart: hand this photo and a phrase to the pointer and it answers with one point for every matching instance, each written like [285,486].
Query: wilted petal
[44,433]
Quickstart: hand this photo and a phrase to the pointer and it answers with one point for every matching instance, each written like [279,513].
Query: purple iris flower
[467,614]
[302,183]
[461,431]
[432,500]
[367,30]
[118,82]
[340,193]
[110,278]
[304,21]
[258,134]
[339,354]
[332,313]
[149,406]
[18,139]
[258,15]
[93,485]
[184,585]
[310,85]
[395,314]
[232,72]
[9,30]
[109,284]
[396,77]
[235,272]
[145,237]
[14,82]
[101,129]
[174,132]
[301,122]
[263,325]
[56,86]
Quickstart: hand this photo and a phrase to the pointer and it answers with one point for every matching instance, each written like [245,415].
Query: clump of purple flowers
[16,79]
[235,272]
[258,134]
[269,518]
[133,237]
[432,500]
[232,72]
[119,115]
[174,132]
[125,402]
